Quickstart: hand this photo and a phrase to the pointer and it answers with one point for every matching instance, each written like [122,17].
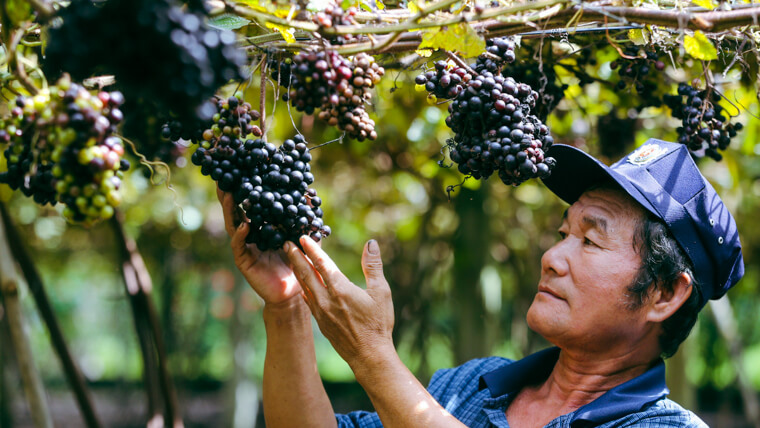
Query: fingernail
[241,225]
[372,247]
[288,246]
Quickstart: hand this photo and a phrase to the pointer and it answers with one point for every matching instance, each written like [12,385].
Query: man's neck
[576,380]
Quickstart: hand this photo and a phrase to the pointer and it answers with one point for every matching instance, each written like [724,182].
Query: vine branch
[507,20]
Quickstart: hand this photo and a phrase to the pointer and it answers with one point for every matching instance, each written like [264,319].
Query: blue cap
[664,179]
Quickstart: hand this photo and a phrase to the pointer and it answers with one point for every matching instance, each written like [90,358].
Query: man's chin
[542,318]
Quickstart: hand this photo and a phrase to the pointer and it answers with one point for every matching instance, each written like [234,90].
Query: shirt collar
[624,399]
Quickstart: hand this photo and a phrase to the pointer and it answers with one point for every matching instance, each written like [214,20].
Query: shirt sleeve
[665,413]
[359,419]
[456,389]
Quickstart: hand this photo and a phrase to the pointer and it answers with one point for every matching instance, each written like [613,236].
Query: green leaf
[700,47]
[707,4]
[228,21]
[18,11]
[637,36]
[460,38]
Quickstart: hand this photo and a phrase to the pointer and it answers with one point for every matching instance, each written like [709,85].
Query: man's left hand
[357,322]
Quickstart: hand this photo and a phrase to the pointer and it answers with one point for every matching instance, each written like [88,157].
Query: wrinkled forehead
[610,203]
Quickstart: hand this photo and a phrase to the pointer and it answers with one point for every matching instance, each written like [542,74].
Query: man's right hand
[268,272]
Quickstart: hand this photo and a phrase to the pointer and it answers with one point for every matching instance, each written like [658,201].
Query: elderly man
[642,247]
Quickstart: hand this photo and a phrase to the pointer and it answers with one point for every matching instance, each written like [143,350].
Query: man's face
[581,299]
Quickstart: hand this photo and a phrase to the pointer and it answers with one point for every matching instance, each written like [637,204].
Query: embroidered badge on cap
[645,154]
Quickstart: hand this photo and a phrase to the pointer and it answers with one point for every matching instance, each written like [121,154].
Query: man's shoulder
[663,413]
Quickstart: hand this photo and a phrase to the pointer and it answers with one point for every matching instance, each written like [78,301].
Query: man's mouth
[549,291]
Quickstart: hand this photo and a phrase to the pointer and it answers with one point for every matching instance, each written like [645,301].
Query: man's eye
[587,241]
[562,234]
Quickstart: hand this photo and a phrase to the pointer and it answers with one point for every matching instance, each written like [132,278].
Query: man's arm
[293,392]
[359,324]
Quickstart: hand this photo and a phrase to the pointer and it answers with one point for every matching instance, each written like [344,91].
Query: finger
[233,215]
[372,265]
[239,247]
[307,276]
[227,211]
[321,262]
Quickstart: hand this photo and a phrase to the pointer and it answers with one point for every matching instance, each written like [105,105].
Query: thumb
[372,265]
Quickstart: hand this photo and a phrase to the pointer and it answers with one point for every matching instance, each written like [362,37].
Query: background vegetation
[463,267]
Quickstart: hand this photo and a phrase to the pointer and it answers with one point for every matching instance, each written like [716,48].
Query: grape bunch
[499,51]
[704,126]
[61,148]
[447,79]
[270,183]
[157,50]
[494,130]
[637,70]
[333,15]
[339,87]
[616,134]
[444,82]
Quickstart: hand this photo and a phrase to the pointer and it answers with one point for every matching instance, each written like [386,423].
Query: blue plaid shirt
[479,392]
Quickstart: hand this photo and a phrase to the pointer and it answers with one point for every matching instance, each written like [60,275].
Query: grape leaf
[707,4]
[700,47]
[461,38]
[254,4]
[287,33]
[228,21]
[637,36]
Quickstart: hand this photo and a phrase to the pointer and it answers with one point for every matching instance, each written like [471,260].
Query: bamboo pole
[70,368]
[33,388]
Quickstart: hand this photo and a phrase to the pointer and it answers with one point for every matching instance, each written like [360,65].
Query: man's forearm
[293,392]
[398,397]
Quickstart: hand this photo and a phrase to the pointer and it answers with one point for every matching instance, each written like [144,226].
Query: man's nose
[554,259]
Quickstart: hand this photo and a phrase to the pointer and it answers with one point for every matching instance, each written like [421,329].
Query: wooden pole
[35,393]
[70,368]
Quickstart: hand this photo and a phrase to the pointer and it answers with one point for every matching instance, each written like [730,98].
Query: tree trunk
[470,248]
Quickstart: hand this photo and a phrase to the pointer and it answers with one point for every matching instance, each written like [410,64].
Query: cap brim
[576,171]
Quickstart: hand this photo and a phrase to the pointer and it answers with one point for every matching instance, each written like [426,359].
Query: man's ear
[665,303]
